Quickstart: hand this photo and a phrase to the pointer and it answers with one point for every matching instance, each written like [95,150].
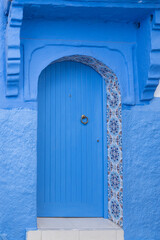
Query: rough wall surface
[18,132]
[141,168]
[18,172]
[2,44]
[141,164]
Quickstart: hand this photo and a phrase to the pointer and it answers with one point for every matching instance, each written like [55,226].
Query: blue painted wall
[18,130]
[141,134]
[141,166]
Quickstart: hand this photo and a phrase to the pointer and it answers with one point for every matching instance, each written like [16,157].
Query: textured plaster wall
[18,130]
[141,164]
[141,168]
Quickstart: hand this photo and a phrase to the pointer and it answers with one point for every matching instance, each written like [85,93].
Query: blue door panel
[70,154]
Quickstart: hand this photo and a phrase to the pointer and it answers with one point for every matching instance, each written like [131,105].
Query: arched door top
[113,122]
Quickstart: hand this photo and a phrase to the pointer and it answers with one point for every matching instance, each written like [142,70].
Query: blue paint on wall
[18,133]
[141,134]
[141,168]
[18,130]
[111,43]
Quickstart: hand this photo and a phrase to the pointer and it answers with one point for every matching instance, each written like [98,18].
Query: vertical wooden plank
[68,134]
[58,133]
[41,142]
[78,127]
[47,134]
[70,172]
[63,133]
[53,135]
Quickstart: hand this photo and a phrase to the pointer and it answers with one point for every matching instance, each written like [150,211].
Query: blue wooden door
[70,153]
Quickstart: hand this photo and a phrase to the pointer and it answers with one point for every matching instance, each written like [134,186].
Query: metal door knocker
[84,119]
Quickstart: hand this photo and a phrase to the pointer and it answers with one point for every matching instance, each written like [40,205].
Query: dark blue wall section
[127,52]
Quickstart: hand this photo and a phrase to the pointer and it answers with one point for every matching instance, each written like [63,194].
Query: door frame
[112,135]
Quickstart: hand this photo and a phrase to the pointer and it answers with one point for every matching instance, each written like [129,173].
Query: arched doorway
[107,146]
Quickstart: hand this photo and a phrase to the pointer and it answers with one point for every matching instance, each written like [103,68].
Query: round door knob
[84,119]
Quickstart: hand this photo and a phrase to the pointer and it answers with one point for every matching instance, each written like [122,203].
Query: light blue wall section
[90,30]
[2,47]
[141,168]
[18,131]
[143,51]
[141,136]
[112,43]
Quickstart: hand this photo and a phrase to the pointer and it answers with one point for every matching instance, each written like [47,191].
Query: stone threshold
[76,229]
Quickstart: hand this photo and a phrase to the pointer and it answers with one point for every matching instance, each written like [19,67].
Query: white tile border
[120,234]
[109,234]
[60,235]
[34,235]
[98,235]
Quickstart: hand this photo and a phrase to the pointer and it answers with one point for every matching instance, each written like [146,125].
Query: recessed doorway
[70,141]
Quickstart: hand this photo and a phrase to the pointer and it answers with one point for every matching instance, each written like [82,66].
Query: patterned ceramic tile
[114,135]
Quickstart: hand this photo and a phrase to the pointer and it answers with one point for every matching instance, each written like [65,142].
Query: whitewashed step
[76,229]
